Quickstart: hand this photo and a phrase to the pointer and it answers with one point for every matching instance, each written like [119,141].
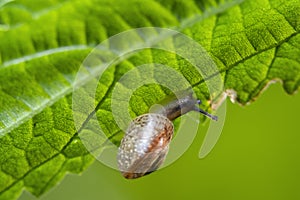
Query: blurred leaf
[43,45]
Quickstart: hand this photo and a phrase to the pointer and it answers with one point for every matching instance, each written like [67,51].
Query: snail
[145,144]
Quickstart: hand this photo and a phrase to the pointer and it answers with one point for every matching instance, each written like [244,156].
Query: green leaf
[253,42]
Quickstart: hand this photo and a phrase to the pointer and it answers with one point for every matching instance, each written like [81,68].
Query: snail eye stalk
[213,117]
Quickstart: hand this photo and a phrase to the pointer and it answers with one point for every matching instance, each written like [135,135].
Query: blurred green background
[257,157]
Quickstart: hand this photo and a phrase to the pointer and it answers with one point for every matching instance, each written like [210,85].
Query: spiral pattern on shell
[145,145]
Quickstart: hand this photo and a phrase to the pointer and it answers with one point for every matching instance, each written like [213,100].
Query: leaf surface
[42,47]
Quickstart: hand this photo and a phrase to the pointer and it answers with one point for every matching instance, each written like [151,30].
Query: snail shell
[145,145]
[146,142]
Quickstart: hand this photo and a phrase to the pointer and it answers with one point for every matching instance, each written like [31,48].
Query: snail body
[145,144]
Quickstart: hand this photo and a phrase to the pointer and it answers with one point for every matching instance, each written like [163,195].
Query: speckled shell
[145,145]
